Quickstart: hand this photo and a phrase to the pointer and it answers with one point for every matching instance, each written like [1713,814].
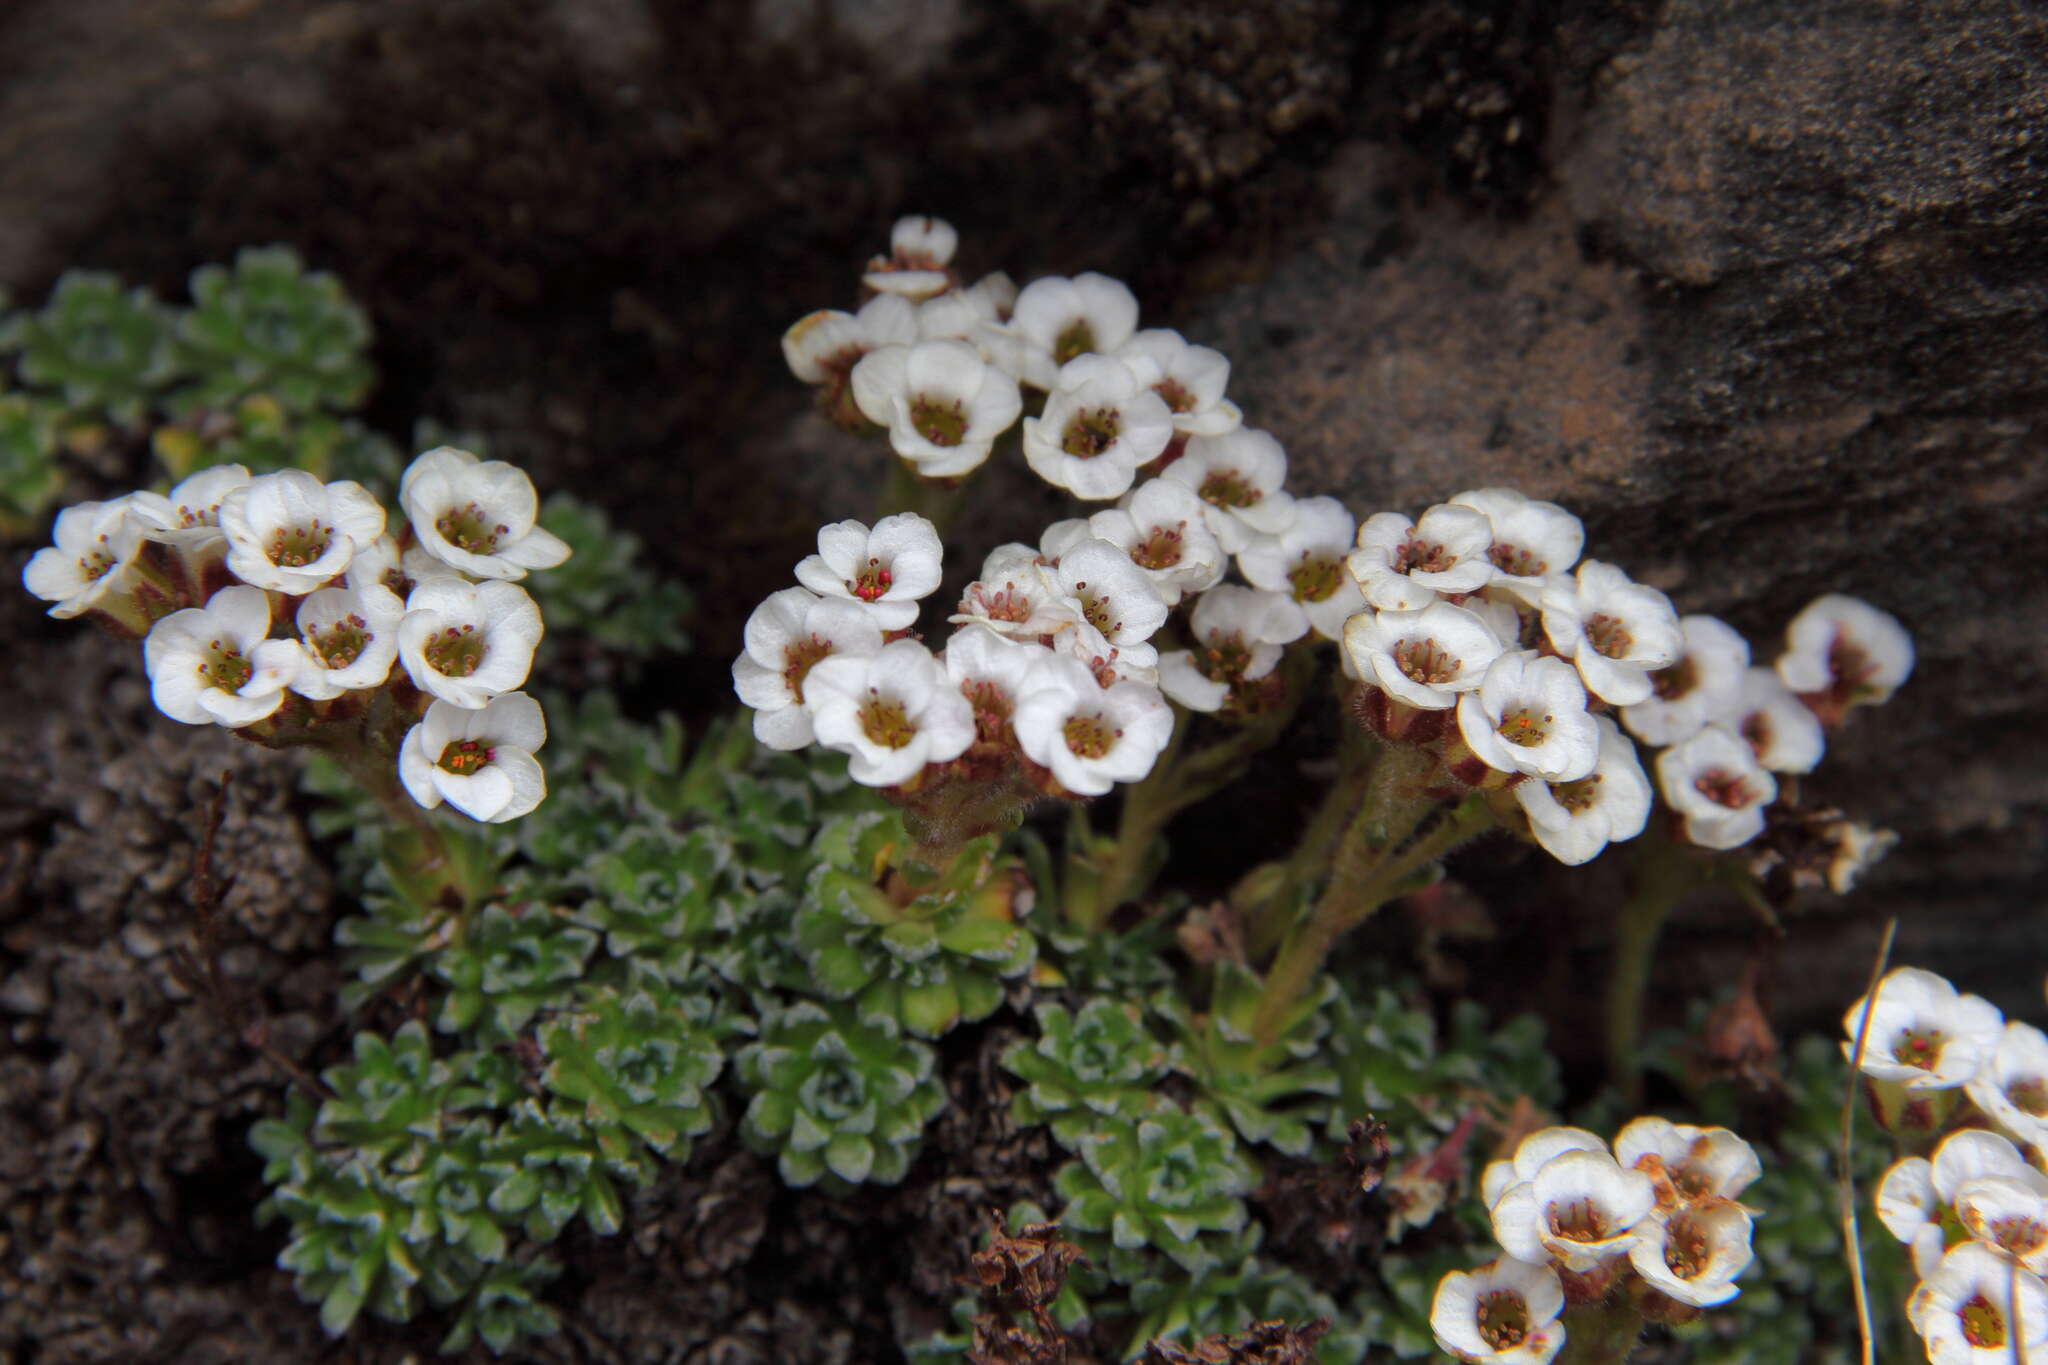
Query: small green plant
[1097,1065]
[269,326]
[837,1097]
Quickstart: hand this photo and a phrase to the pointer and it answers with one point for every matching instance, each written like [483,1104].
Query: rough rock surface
[126,1182]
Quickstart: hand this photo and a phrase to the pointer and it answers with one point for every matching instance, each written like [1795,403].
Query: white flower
[479,761]
[1238,634]
[1580,1209]
[1189,378]
[1113,595]
[1063,318]
[468,642]
[1909,1210]
[1694,1252]
[380,565]
[1423,658]
[93,560]
[1017,595]
[893,711]
[207,665]
[1529,716]
[1531,541]
[1701,685]
[2011,1087]
[1238,476]
[348,637]
[942,404]
[190,513]
[1616,630]
[990,671]
[1696,1163]
[956,314]
[1964,1312]
[1091,737]
[1846,651]
[823,347]
[1006,348]
[888,569]
[1922,1034]
[1785,736]
[1307,560]
[1403,565]
[785,636]
[1098,426]
[290,533]
[1575,820]
[479,516]
[2009,1212]
[1530,1156]
[1063,535]
[920,250]
[1502,1313]
[1917,1199]
[1160,526]
[1714,782]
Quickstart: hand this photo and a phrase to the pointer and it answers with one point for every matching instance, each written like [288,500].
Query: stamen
[883,721]
[1724,788]
[466,757]
[871,582]
[1088,737]
[1425,661]
[1503,1319]
[294,547]
[938,421]
[797,660]
[1524,728]
[1608,634]
[1314,579]
[1091,433]
[456,652]
[466,528]
[1160,550]
[1077,339]
[1228,488]
[1513,559]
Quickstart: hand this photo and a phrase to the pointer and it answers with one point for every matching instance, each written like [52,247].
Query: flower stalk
[1375,860]
[1664,875]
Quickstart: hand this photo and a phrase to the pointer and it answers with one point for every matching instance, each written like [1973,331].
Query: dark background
[1758,287]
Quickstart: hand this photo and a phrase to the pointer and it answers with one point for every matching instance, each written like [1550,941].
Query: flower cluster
[1487,629]
[1655,1218]
[1973,1214]
[1048,679]
[281,607]
[1475,629]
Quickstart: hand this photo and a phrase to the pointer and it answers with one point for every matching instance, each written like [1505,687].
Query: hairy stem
[1267,906]
[1179,779]
[1370,868]
[1664,873]
[1600,1333]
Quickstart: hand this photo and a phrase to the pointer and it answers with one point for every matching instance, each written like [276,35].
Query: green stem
[1177,781]
[1370,868]
[936,500]
[1600,1333]
[1664,873]
[1267,907]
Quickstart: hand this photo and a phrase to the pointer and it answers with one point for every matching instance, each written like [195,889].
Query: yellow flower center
[466,757]
[466,528]
[455,652]
[294,547]
[1091,433]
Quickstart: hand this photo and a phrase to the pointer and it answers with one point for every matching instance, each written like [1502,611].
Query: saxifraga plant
[732,936]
